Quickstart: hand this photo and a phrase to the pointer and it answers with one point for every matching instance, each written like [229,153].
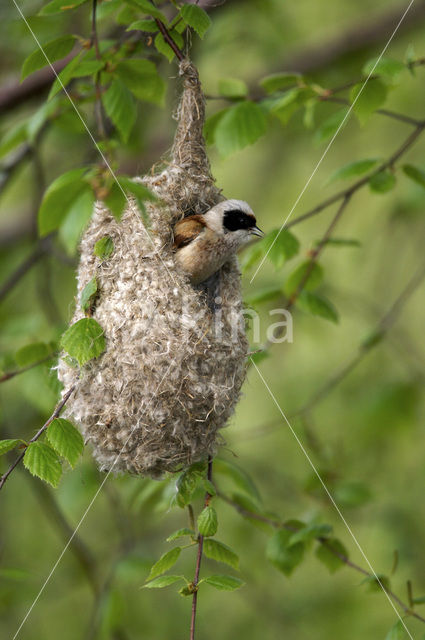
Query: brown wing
[187,230]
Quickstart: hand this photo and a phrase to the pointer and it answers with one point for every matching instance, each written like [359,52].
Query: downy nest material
[173,367]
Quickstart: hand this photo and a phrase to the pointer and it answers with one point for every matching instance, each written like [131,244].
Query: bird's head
[234,219]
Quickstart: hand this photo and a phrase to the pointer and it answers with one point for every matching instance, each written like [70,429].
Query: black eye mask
[236,219]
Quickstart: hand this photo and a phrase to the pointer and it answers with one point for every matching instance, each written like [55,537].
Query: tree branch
[278,524]
[169,40]
[54,415]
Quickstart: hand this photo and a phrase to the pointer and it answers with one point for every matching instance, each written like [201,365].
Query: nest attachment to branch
[173,369]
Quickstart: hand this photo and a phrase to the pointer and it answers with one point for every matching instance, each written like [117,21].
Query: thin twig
[11,374]
[98,107]
[384,325]
[401,117]
[169,40]
[199,559]
[54,415]
[279,524]
[408,142]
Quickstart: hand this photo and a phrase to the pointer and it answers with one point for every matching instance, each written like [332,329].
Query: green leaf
[352,494]
[224,583]
[58,6]
[196,18]
[32,353]
[143,25]
[278,81]
[163,581]
[188,481]
[141,77]
[240,126]
[104,248]
[330,126]
[310,532]
[211,125]
[388,68]
[382,182]
[238,476]
[283,557]
[13,137]
[220,552]
[330,552]
[299,276]
[317,306]
[76,220]
[163,47]
[368,98]
[148,8]
[116,200]
[43,462]
[209,487]
[120,106]
[84,340]
[166,561]
[180,533]
[89,294]
[415,174]
[77,68]
[374,583]
[8,445]
[353,169]
[207,521]
[232,88]
[280,246]
[397,632]
[66,440]
[58,199]
[283,107]
[52,51]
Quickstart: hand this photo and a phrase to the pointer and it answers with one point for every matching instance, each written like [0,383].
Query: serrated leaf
[180,533]
[240,126]
[116,200]
[207,521]
[32,353]
[388,68]
[330,126]
[299,276]
[188,481]
[283,557]
[141,77]
[283,107]
[166,561]
[317,306]
[163,47]
[58,6]
[76,220]
[239,477]
[415,174]
[52,51]
[58,199]
[232,88]
[143,25]
[224,583]
[195,17]
[89,294]
[84,340]
[330,553]
[43,462]
[353,169]
[280,246]
[66,440]
[220,552]
[8,445]
[367,98]
[104,248]
[163,581]
[277,81]
[120,107]
[382,182]
[77,68]
[211,125]
[209,487]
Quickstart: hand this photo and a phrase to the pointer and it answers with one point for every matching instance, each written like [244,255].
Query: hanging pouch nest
[173,367]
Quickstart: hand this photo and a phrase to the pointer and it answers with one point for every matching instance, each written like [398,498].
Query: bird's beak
[256,232]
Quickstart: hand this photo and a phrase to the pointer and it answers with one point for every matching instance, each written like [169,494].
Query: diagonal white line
[331,499]
[347,115]
[53,569]
[77,111]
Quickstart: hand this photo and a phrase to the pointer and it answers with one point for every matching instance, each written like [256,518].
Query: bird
[203,243]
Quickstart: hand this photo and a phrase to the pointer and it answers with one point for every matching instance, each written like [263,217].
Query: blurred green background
[365,437]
